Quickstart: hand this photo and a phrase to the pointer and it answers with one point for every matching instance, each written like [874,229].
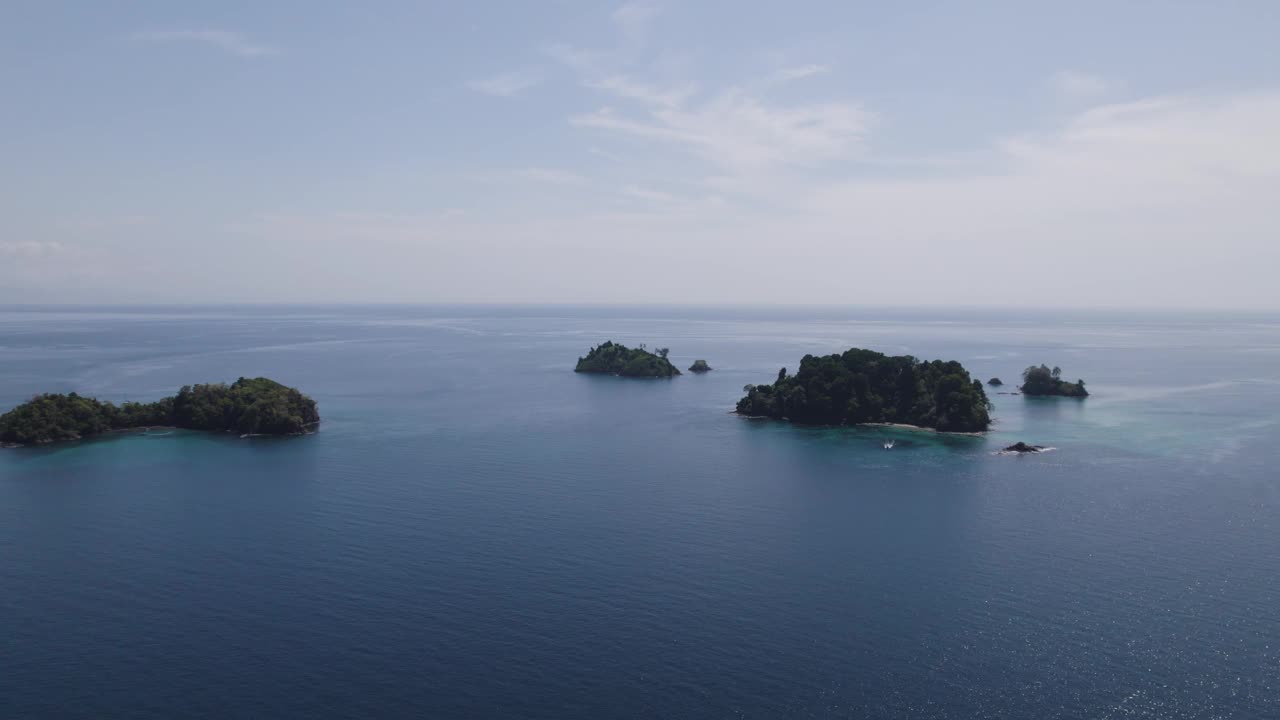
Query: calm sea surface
[476,531]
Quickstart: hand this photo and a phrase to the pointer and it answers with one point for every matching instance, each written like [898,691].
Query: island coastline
[895,426]
[248,407]
[610,358]
[865,387]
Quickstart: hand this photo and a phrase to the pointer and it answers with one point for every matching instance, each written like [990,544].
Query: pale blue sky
[1087,153]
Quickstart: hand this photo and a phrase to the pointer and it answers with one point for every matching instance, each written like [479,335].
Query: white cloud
[799,72]
[626,88]
[1162,202]
[44,270]
[739,132]
[733,129]
[31,249]
[537,175]
[579,60]
[598,152]
[633,20]
[650,194]
[507,84]
[1150,203]
[1077,86]
[1199,140]
[232,43]
[554,176]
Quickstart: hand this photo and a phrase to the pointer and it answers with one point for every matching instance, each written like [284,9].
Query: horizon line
[635,304]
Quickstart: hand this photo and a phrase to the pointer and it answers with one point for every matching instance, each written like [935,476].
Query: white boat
[888,444]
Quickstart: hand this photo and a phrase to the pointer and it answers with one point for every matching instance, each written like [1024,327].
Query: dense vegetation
[864,386]
[699,366]
[1043,381]
[995,382]
[248,406]
[615,359]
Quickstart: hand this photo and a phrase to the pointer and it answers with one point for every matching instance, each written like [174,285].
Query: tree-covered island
[1043,381]
[699,366]
[864,386]
[611,358]
[256,406]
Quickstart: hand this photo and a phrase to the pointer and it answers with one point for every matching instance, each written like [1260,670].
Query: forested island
[611,358]
[864,386]
[699,366]
[1043,381]
[256,406]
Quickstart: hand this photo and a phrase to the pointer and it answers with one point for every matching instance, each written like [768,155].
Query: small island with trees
[611,358]
[699,366]
[249,407]
[995,382]
[867,387]
[1043,381]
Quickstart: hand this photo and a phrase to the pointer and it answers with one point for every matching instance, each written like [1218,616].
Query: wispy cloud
[1078,86]
[1144,201]
[643,193]
[552,176]
[31,249]
[799,72]
[507,84]
[740,132]
[598,152]
[629,89]
[1171,187]
[735,128]
[633,20]
[232,43]
[577,59]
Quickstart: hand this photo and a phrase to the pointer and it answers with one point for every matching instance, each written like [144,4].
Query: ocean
[476,531]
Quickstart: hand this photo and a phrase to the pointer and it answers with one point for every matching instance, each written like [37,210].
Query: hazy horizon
[1093,156]
[938,310]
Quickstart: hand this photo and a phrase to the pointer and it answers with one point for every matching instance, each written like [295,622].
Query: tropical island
[995,382]
[611,358]
[866,387]
[256,406]
[1043,381]
[699,366]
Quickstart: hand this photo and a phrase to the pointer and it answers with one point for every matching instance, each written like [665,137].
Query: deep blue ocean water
[476,531]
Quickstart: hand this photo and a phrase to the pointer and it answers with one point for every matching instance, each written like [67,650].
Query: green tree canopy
[864,386]
[253,406]
[615,359]
[1040,380]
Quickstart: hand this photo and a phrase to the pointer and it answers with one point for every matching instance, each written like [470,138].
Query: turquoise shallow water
[477,531]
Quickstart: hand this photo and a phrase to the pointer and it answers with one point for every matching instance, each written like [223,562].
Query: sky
[1082,154]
